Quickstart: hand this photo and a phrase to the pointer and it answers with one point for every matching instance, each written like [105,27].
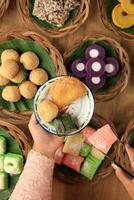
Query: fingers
[121,176]
[32,120]
[130,152]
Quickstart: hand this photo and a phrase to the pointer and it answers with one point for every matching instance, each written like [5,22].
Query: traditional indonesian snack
[9,69]
[11,93]
[9,54]
[3,181]
[13,163]
[85,150]
[87,132]
[19,77]
[10,164]
[28,89]
[38,76]
[73,162]
[97,154]
[95,67]
[54,11]
[3,81]
[85,156]
[2,157]
[59,105]
[30,60]
[74,144]
[65,91]
[90,166]
[123,14]
[3,145]
[47,110]
[16,69]
[103,139]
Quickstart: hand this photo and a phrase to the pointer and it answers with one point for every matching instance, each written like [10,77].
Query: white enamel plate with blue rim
[82,109]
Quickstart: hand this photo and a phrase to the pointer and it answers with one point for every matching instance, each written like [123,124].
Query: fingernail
[114,166]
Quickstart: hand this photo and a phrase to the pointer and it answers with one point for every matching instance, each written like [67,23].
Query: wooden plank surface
[120,110]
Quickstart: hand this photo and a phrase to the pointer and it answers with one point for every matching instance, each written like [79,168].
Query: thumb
[121,176]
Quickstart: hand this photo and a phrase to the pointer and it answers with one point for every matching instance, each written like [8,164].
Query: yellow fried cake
[66,90]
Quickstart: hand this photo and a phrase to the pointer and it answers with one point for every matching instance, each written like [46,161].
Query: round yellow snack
[128,6]
[121,18]
[3,81]
[66,90]
[38,76]
[9,69]
[28,89]
[19,77]
[9,54]
[11,94]
[30,60]
[47,110]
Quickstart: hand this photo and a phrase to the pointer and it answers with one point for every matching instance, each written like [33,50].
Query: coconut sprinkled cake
[54,11]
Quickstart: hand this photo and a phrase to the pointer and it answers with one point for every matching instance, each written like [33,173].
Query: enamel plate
[81,109]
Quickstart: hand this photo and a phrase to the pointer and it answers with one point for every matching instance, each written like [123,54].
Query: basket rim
[16,117]
[18,135]
[4,5]
[121,153]
[102,173]
[109,25]
[123,57]
[22,6]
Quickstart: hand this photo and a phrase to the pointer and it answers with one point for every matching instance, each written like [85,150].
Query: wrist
[44,151]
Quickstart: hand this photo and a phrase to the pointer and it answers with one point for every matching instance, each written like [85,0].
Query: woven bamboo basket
[16,117]
[124,60]
[108,24]
[18,135]
[3,6]
[121,154]
[82,15]
[104,171]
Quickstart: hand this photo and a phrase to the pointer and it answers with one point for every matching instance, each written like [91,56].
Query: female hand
[127,182]
[44,142]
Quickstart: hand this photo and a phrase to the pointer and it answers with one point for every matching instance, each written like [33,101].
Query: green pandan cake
[2,156]
[90,166]
[3,181]
[85,150]
[2,145]
[13,163]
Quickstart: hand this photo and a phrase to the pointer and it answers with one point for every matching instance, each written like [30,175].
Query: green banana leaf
[12,147]
[45,24]
[110,52]
[109,5]
[46,63]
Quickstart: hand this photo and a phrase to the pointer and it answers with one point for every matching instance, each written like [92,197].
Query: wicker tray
[121,154]
[82,15]
[16,117]
[3,6]
[14,137]
[103,172]
[110,93]
[18,135]
[108,24]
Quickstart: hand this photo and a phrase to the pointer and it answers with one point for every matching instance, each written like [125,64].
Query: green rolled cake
[85,150]
[2,156]
[90,167]
[13,163]
[3,181]
[2,145]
